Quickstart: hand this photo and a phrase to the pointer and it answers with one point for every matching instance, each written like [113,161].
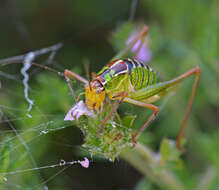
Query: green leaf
[170,156]
[165,149]
[128,120]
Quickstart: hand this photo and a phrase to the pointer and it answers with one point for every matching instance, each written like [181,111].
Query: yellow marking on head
[94,100]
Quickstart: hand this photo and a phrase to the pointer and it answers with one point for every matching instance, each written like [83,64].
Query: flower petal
[69,116]
[84,163]
[77,111]
[144,53]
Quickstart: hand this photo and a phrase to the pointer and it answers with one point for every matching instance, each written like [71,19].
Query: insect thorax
[126,75]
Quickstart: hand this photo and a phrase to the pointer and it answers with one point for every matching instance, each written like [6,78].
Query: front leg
[68,74]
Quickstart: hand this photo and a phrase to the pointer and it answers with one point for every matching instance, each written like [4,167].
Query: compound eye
[99,89]
[97,86]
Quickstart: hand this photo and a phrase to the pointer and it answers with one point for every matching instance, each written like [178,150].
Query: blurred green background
[183,34]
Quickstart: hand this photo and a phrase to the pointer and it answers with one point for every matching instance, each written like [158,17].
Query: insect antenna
[40,66]
[49,69]
[142,41]
[60,74]
[87,71]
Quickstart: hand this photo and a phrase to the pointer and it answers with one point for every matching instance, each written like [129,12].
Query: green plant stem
[143,159]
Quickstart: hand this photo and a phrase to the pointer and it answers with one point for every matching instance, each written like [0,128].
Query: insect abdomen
[141,75]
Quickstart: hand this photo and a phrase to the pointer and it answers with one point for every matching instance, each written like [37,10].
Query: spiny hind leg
[151,118]
[193,71]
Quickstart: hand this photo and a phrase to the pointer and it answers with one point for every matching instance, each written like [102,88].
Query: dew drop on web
[62,163]
[44,132]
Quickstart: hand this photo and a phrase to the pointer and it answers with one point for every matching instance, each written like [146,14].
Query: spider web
[19,161]
[17,149]
[17,145]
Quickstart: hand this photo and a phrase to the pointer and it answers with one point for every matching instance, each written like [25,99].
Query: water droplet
[44,132]
[62,163]
[113,124]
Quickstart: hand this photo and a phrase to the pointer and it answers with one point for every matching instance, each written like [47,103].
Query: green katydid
[128,80]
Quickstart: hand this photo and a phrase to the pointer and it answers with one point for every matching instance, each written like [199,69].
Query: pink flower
[77,111]
[84,163]
[144,53]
